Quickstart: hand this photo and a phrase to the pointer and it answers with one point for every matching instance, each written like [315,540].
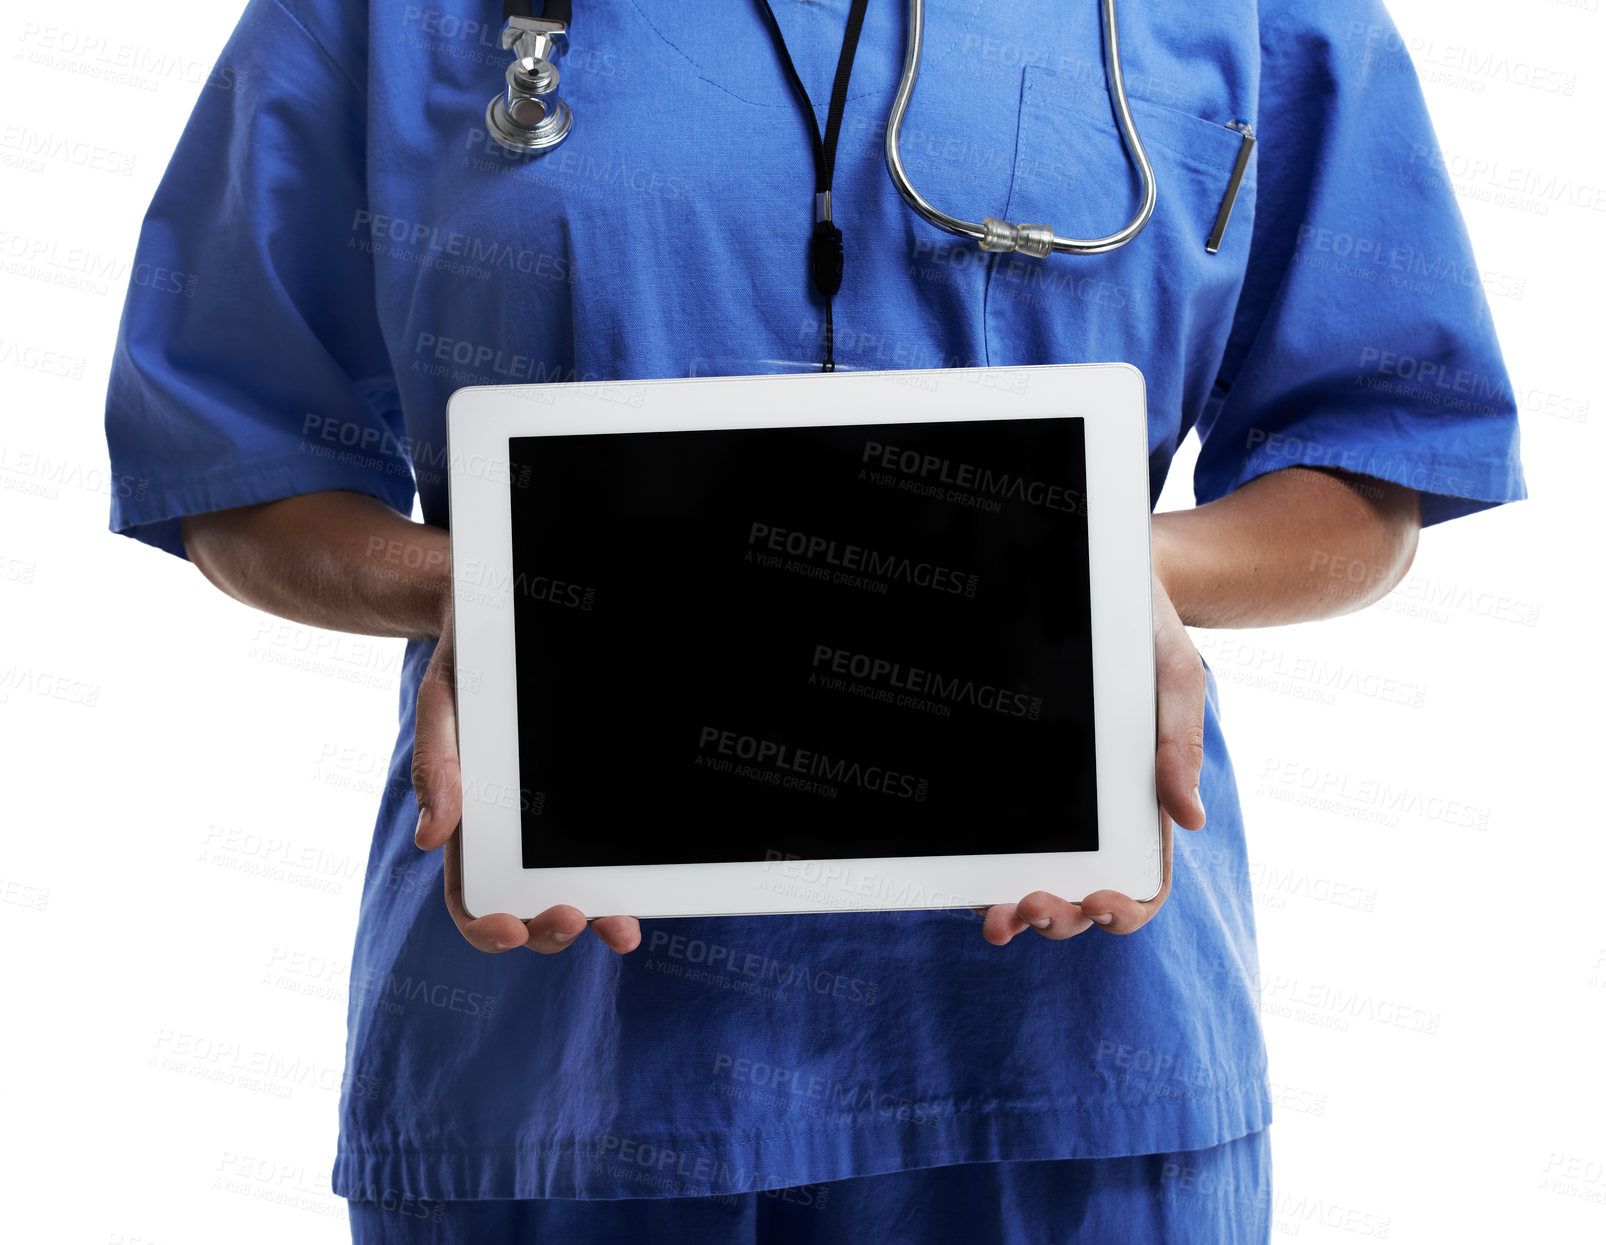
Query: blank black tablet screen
[825,643]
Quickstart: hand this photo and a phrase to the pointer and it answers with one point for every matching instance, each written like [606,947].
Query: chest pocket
[1162,302]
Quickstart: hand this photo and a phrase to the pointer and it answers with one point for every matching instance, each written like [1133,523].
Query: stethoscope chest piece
[528,116]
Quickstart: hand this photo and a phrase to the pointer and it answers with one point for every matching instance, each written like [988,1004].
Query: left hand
[1180,703]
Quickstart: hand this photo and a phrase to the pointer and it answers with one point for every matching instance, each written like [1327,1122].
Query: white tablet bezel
[1109,397]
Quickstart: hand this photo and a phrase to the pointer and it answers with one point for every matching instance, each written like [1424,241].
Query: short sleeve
[249,364]
[1362,339]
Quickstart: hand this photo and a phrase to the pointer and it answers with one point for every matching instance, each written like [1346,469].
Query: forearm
[1289,546]
[338,560]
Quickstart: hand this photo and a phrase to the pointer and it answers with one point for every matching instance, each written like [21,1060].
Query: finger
[618,933]
[555,929]
[437,779]
[494,932]
[1052,916]
[1001,924]
[1180,706]
[1118,913]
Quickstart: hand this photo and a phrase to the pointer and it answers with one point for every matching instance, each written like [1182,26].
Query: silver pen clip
[1213,244]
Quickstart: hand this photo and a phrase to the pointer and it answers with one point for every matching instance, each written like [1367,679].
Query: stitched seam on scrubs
[1202,161]
[1009,203]
[703,77]
[1390,454]
[328,55]
[700,76]
[745,1138]
[173,499]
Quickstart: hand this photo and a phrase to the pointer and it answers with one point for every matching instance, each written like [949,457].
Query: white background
[183,745]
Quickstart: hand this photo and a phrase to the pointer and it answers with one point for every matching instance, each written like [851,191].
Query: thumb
[437,780]
[1180,711]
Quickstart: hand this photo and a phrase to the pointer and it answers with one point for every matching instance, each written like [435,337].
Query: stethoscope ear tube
[993,234]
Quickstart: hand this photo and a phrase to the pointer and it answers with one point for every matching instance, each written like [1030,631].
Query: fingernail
[561,937]
[1198,802]
[1042,924]
[423,816]
[1101,918]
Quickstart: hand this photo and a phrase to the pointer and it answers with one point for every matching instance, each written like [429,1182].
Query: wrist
[410,580]
[1172,560]
[438,605]
[1162,551]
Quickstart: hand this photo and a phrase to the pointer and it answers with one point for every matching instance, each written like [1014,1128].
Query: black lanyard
[825,247]
[551,10]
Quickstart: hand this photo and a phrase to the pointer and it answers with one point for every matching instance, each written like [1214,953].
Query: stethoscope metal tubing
[991,232]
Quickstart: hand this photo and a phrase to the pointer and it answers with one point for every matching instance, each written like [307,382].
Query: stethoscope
[529,117]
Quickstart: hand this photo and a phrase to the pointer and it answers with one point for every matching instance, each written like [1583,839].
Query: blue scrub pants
[1219,1196]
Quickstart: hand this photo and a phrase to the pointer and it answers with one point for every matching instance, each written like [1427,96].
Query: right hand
[438,783]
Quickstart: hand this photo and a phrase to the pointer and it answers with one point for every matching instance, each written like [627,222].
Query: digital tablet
[803,643]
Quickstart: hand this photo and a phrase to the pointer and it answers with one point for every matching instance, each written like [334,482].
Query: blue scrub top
[346,246]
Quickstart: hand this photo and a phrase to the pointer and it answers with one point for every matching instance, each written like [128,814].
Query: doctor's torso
[669,233]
